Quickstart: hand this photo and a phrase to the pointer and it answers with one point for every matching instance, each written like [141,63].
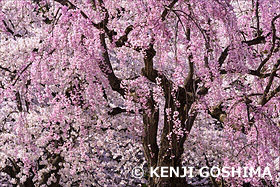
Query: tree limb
[121,41]
[5,69]
[273,43]
[264,99]
[223,56]
[167,9]
[255,41]
[114,82]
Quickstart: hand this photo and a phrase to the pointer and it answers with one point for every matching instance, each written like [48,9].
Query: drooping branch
[19,75]
[187,31]
[273,93]
[202,31]
[104,65]
[258,18]
[100,25]
[273,43]
[106,68]
[264,99]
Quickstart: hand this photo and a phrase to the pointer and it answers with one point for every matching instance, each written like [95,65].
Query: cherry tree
[85,80]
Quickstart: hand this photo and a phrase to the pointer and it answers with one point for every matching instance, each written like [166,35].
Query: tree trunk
[177,124]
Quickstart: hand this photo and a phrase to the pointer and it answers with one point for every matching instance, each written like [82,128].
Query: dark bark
[170,151]
[167,9]
[223,56]
[149,138]
[255,41]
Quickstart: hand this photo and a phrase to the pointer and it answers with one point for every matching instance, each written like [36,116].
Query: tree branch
[66,3]
[264,99]
[121,41]
[167,9]
[223,56]
[258,19]
[255,41]
[106,68]
[5,69]
[273,43]
[273,93]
